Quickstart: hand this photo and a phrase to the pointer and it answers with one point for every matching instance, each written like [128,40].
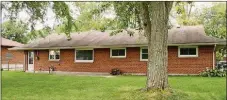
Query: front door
[30,60]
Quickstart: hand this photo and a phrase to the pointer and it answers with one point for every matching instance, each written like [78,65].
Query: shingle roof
[191,34]
[7,42]
[97,39]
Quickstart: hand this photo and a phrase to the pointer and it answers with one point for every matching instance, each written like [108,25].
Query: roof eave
[109,46]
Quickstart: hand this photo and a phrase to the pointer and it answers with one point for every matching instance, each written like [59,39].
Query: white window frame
[182,56]
[117,56]
[141,53]
[55,55]
[85,61]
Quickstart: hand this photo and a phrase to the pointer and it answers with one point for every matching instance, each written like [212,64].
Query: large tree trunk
[155,18]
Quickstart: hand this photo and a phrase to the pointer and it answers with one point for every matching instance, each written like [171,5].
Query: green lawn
[28,86]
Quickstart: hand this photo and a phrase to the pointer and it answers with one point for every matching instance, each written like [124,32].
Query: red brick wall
[18,56]
[131,64]
[190,65]
[102,61]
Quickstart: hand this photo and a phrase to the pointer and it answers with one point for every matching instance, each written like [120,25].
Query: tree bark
[155,18]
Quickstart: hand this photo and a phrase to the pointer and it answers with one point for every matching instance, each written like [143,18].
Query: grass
[28,86]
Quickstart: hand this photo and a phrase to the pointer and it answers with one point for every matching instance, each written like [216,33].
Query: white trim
[84,61]
[141,53]
[54,55]
[183,56]
[111,56]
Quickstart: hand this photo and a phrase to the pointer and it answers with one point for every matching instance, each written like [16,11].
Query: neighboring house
[14,60]
[189,52]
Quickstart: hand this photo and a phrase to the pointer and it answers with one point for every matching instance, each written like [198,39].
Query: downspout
[214,57]
[25,60]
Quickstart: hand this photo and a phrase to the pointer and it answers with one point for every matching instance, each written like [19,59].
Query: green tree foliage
[128,14]
[38,10]
[34,34]
[14,30]
[184,14]
[88,19]
[214,20]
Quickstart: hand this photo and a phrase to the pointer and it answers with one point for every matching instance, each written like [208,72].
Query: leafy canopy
[14,30]
[37,12]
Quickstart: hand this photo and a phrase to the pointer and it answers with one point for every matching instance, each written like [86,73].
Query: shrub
[213,73]
[115,71]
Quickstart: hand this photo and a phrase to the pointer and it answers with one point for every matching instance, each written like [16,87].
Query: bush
[115,71]
[213,73]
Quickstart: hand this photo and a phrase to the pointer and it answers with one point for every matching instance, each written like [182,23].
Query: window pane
[144,56]
[51,52]
[30,57]
[187,51]
[118,52]
[144,50]
[30,61]
[57,56]
[84,55]
[89,54]
[51,56]
[192,51]
[57,52]
[183,51]
[121,52]
[114,52]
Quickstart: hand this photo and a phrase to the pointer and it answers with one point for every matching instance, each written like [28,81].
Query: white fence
[18,67]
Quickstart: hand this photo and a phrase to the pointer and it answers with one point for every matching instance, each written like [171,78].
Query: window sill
[188,56]
[84,61]
[143,59]
[117,57]
[54,60]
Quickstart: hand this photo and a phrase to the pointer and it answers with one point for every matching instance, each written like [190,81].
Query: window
[54,55]
[84,55]
[118,53]
[188,51]
[143,54]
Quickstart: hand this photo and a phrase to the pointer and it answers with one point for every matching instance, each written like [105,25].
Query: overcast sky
[50,19]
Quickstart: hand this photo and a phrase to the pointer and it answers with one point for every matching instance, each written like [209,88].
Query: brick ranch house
[17,57]
[190,51]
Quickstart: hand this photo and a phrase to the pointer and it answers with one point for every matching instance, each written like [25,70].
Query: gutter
[106,46]
[214,56]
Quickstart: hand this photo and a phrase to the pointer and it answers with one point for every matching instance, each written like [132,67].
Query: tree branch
[145,18]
